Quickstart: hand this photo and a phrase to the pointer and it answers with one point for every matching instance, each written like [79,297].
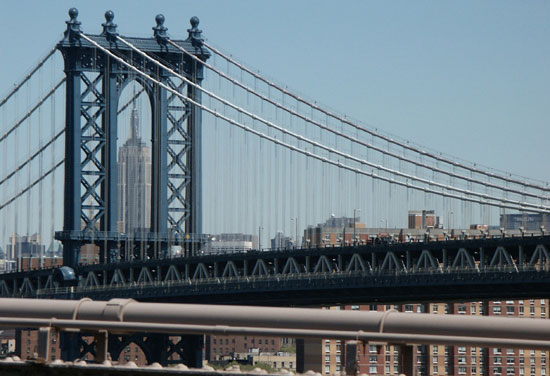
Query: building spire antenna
[134,120]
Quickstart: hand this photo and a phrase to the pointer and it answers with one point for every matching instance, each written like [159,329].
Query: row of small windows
[266,342]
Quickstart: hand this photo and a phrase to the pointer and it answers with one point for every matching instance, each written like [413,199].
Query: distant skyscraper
[134,181]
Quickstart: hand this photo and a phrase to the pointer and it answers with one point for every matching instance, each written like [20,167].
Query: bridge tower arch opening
[94,83]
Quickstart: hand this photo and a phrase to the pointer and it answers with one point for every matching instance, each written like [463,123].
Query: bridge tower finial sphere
[73,13]
[160,19]
[109,16]
[194,21]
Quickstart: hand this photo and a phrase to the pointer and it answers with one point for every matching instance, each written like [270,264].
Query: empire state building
[134,181]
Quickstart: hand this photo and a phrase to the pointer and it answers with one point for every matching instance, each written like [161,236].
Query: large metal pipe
[116,327]
[130,311]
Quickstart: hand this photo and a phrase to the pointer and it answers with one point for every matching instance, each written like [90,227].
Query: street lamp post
[354,226]
[296,234]
[260,228]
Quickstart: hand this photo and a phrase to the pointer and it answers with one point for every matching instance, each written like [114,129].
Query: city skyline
[440,41]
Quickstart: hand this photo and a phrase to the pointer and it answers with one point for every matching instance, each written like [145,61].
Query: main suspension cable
[352,139]
[521,206]
[28,76]
[317,144]
[30,186]
[32,110]
[374,133]
[33,156]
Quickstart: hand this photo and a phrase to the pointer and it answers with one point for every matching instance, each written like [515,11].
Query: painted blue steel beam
[92,107]
[460,269]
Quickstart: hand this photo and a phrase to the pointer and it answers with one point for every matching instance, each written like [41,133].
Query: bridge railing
[122,316]
[192,284]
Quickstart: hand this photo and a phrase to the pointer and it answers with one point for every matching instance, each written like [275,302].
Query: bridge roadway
[483,268]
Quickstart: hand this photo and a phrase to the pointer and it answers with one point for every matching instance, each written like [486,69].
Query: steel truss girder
[315,270]
[179,153]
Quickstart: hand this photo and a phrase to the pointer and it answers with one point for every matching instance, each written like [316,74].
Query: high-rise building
[134,181]
[24,246]
[231,243]
[528,221]
[422,219]
[280,241]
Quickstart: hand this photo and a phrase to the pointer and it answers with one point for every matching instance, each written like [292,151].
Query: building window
[461,309]
[462,350]
[474,308]
[497,360]
[521,310]
[327,369]
[327,348]
[373,370]
[327,358]
[435,308]
[510,371]
[408,307]
[510,310]
[435,359]
[510,351]
[373,359]
[373,307]
[372,348]
[461,370]
[435,349]
[436,369]
[497,310]
[338,358]
[461,360]
[509,360]
[497,351]
[355,308]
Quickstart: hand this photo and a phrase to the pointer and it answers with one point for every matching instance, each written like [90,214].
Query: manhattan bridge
[231,150]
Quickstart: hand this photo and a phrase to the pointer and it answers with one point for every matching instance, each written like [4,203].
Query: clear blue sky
[468,78]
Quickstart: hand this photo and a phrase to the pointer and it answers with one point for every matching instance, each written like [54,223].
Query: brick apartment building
[446,360]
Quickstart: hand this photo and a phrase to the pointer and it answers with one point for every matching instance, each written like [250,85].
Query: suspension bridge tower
[98,68]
